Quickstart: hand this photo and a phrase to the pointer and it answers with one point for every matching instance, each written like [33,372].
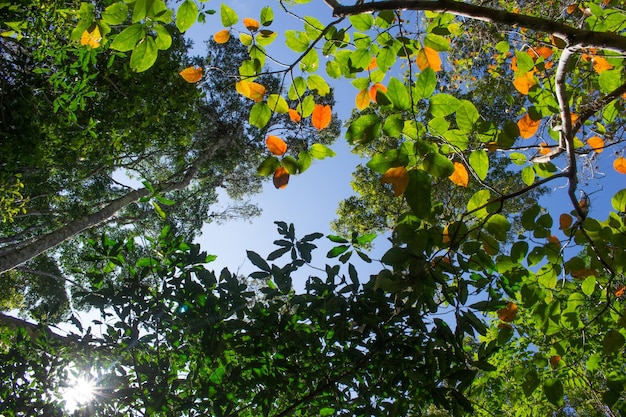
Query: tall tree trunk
[18,254]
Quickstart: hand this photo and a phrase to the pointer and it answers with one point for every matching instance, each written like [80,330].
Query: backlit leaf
[375,89]
[479,161]
[267,16]
[321,151]
[186,15]
[222,36]
[544,149]
[565,221]
[91,38]
[281,178]
[228,15]
[620,165]
[321,117]
[398,177]
[600,64]
[127,39]
[596,143]
[276,145]
[277,103]
[460,175]
[251,24]
[525,82]
[144,55]
[428,58]
[191,74]
[260,115]
[527,126]
[251,90]
[362,99]
[294,116]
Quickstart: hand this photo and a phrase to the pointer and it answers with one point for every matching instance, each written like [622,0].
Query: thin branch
[572,35]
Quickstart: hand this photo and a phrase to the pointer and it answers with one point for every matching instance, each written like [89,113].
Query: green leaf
[320,151]
[297,88]
[277,103]
[361,58]
[115,14]
[438,165]
[479,161]
[228,15]
[394,125]
[524,62]
[443,105]
[466,116]
[268,166]
[362,22]
[290,164]
[158,209]
[437,42]
[144,55]
[259,262]
[260,115]
[382,161]
[477,203]
[310,62]
[531,380]
[364,129]
[553,388]
[267,16]
[313,27]
[336,251]
[140,11]
[319,84]
[589,285]
[426,84]
[337,239]
[498,226]
[613,342]
[186,15]
[296,41]
[417,194]
[619,201]
[163,39]
[398,94]
[265,37]
[304,161]
[609,80]
[127,39]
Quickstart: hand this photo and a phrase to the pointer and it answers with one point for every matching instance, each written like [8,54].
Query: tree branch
[572,35]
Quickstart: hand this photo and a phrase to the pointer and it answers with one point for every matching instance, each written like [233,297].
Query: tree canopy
[488,128]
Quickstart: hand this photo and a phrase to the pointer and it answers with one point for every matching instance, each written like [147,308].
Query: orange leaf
[596,143]
[555,240]
[565,221]
[276,145]
[527,126]
[252,90]
[91,39]
[554,361]
[492,146]
[372,64]
[542,51]
[544,149]
[508,313]
[191,74]
[620,165]
[584,273]
[398,177]
[514,64]
[460,175]
[281,177]
[375,88]
[600,64]
[251,24]
[572,8]
[620,291]
[523,83]
[294,116]
[322,114]
[222,36]
[362,99]
[428,58]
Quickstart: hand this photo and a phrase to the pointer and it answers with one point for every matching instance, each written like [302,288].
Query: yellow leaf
[362,99]
[446,236]
[372,64]
[460,175]
[596,143]
[321,117]
[428,58]
[191,74]
[600,64]
[508,313]
[294,116]
[398,177]
[527,126]
[251,24]
[251,90]
[276,145]
[375,88]
[281,177]
[620,165]
[91,39]
[222,36]
[523,83]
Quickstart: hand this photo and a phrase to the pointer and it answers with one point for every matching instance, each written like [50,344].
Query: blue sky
[310,199]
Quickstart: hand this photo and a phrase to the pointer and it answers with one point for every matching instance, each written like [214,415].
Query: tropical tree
[422,331]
